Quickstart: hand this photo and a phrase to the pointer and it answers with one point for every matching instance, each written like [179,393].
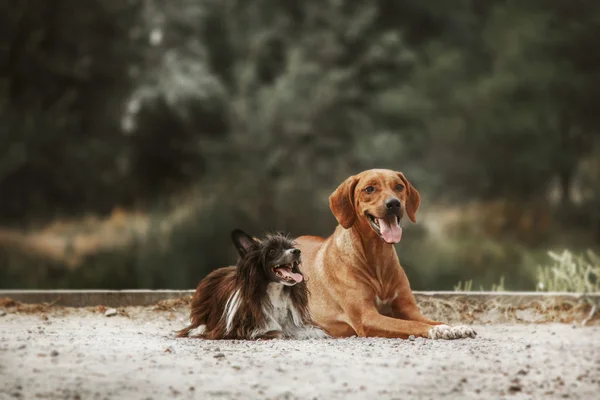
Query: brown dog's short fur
[253,300]
[357,284]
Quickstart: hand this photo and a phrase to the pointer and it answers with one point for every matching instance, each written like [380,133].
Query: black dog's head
[275,255]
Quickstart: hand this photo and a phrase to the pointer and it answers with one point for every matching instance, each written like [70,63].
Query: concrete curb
[90,298]
[124,298]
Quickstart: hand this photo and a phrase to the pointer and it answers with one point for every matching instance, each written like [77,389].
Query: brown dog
[356,282]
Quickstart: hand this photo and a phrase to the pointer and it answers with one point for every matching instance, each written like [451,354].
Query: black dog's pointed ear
[242,241]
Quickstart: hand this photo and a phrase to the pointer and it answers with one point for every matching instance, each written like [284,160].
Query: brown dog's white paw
[449,332]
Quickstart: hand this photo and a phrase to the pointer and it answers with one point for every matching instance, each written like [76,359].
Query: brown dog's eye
[369,189]
[399,187]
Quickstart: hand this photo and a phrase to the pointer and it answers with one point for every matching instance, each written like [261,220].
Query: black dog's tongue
[286,272]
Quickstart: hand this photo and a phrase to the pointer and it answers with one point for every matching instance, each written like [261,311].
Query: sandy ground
[86,355]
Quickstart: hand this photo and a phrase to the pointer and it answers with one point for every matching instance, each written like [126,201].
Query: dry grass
[173,304]
[496,310]
[570,273]
[458,310]
[467,286]
[17,307]
[69,242]
[45,309]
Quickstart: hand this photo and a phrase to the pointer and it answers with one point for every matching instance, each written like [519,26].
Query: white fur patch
[283,316]
[231,308]
[197,331]
[310,332]
[449,332]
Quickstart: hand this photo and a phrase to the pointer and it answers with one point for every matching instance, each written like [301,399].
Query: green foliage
[158,96]
[266,106]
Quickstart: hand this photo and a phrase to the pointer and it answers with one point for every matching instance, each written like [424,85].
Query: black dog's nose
[295,252]
[392,204]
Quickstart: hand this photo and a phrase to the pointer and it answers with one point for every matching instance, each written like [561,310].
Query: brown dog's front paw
[449,332]
[465,331]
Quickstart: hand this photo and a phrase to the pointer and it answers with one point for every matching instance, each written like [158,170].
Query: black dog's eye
[271,253]
[369,189]
[399,186]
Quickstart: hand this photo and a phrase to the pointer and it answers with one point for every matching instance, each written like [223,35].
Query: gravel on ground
[133,354]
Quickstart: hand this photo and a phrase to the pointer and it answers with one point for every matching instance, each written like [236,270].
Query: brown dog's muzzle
[388,226]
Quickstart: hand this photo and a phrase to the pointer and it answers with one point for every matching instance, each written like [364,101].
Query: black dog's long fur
[238,302]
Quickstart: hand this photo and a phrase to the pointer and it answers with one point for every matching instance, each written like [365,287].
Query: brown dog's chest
[384,305]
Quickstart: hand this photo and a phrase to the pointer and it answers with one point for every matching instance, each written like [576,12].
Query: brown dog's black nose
[295,252]
[392,205]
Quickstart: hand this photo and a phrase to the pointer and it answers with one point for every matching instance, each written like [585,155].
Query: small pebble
[219,355]
[514,388]
[54,353]
[110,312]
[411,338]
[2,313]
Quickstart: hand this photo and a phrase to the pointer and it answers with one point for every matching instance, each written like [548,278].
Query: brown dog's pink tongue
[287,273]
[390,230]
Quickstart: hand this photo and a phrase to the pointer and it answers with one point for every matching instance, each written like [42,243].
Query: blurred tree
[517,108]
[264,107]
[65,77]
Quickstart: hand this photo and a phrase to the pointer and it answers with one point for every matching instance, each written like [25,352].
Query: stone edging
[124,298]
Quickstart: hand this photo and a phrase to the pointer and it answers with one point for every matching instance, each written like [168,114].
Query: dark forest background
[136,134]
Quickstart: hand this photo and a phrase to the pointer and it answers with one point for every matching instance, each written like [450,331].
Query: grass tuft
[467,286]
[570,273]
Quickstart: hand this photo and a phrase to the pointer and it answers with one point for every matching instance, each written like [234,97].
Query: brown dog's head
[376,200]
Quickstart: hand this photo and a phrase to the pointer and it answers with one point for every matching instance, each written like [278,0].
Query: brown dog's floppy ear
[413,200]
[341,202]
